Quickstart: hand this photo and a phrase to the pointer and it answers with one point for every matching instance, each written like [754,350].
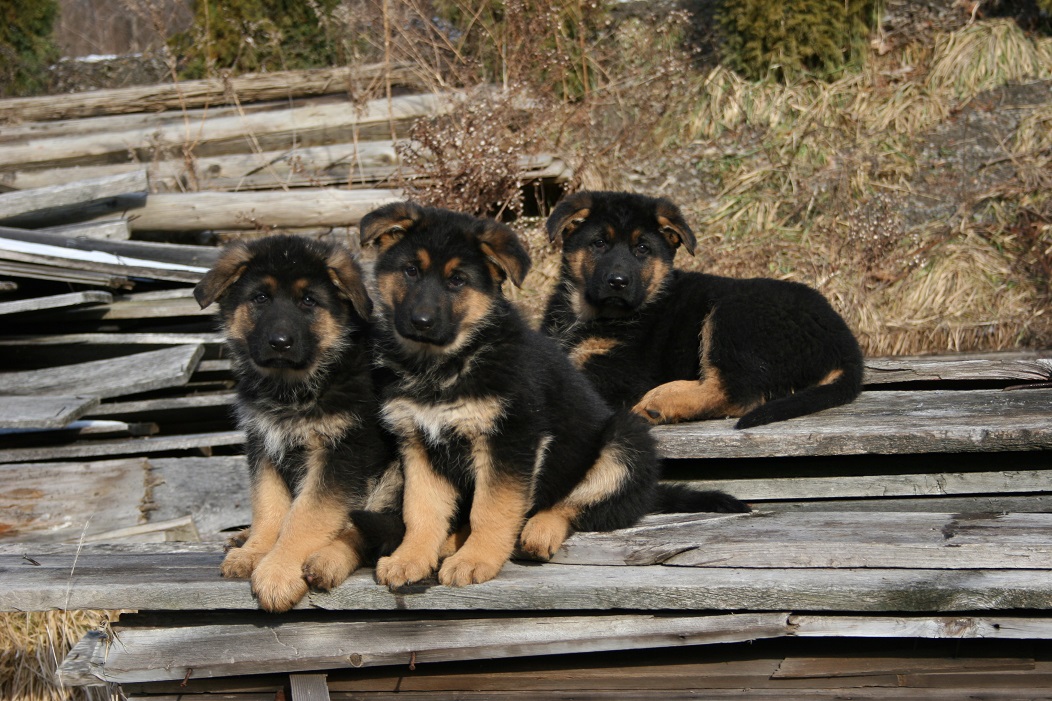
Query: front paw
[461,570]
[278,584]
[329,567]
[239,563]
[543,535]
[396,571]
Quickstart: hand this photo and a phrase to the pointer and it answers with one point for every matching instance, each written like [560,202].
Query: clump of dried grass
[33,645]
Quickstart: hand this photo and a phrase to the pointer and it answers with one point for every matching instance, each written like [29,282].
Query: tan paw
[396,571]
[671,402]
[543,535]
[278,584]
[237,540]
[327,568]
[240,562]
[461,569]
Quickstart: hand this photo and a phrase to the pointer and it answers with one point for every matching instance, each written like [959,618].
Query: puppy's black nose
[617,281]
[422,320]
[280,341]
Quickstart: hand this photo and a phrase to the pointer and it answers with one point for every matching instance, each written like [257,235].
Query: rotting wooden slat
[1023,693]
[956,627]
[76,668]
[44,411]
[178,303]
[817,667]
[194,93]
[156,253]
[24,205]
[54,270]
[62,502]
[1023,503]
[268,644]
[70,299]
[127,446]
[882,486]
[189,581]
[74,261]
[114,339]
[214,491]
[130,374]
[308,687]
[1025,367]
[109,230]
[880,422]
[196,401]
[252,210]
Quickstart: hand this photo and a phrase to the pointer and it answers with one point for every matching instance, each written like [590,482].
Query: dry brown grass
[33,645]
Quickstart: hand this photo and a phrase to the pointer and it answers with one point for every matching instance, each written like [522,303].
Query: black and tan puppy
[295,313]
[498,432]
[680,346]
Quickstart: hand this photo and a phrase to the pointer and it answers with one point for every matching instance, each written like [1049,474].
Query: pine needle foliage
[26,46]
[792,37]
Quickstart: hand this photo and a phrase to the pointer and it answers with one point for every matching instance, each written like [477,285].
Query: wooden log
[187,581]
[256,210]
[128,446]
[46,203]
[195,93]
[312,125]
[65,502]
[265,644]
[43,412]
[71,299]
[130,374]
[880,422]
[1006,366]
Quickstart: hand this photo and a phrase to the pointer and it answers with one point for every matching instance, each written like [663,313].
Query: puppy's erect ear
[673,226]
[389,223]
[505,252]
[346,275]
[228,269]
[569,214]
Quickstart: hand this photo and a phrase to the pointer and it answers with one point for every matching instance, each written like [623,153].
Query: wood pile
[919,513]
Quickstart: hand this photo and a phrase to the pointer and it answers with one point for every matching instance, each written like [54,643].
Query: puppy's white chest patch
[469,418]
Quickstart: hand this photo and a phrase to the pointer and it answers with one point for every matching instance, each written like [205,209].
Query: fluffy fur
[295,314]
[681,346]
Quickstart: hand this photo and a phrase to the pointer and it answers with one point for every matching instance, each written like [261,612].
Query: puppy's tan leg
[327,568]
[497,512]
[428,504]
[316,518]
[271,502]
[687,400]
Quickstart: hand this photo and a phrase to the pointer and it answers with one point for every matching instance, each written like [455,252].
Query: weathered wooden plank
[75,669]
[690,692]
[214,491]
[1026,503]
[330,122]
[75,261]
[823,539]
[70,299]
[308,687]
[189,581]
[24,205]
[931,484]
[127,446]
[253,210]
[63,502]
[196,401]
[985,627]
[145,305]
[107,229]
[43,412]
[818,667]
[155,253]
[266,644]
[1025,367]
[114,339]
[194,93]
[881,422]
[53,269]
[129,374]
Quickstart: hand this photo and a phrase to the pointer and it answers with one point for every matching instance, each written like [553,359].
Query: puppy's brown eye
[308,301]
[456,281]
[642,249]
[411,272]
[599,244]
[261,298]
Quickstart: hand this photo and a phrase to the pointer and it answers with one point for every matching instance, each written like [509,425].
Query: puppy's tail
[841,390]
[674,498]
[382,531]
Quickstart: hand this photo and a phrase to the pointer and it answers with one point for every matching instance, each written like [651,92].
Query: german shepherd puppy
[295,313]
[681,346]
[497,431]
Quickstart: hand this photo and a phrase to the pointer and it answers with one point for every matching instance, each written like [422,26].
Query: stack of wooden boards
[901,546]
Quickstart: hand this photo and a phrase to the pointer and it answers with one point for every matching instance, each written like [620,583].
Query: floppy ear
[505,252]
[228,269]
[674,227]
[569,214]
[346,275]
[389,223]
